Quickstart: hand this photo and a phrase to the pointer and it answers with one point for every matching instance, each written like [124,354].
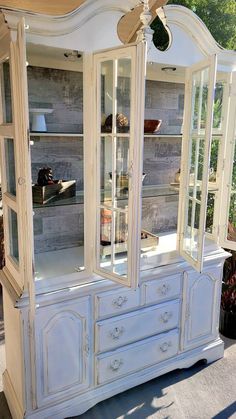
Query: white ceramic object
[38,118]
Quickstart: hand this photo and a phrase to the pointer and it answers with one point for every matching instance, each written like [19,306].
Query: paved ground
[200,392]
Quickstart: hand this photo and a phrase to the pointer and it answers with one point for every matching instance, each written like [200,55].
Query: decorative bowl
[152,126]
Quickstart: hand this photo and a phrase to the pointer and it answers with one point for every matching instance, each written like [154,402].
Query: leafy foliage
[218,16]
[228,298]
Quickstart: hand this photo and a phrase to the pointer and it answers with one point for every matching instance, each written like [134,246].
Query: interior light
[168,69]
[72,55]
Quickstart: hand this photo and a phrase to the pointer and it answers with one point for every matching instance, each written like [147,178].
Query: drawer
[137,356]
[161,289]
[137,325]
[111,303]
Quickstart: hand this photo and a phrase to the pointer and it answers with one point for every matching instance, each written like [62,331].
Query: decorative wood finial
[145,33]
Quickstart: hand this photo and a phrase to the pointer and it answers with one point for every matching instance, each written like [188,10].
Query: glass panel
[114,241]
[215,144]
[121,243]
[6,93]
[218,101]
[113,160]
[123,92]
[200,97]
[121,169]
[233,180]
[232,218]
[13,234]
[200,161]
[106,170]
[10,165]
[106,227]
[191,230]
[210,212]
[200,89]
[231,235]
[106,102]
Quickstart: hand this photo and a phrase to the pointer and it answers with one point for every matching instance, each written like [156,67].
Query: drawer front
[137,325]
[113,302]
[161,289]
[137,356]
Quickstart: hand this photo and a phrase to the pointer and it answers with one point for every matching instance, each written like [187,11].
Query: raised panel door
[62,350]
[201,309]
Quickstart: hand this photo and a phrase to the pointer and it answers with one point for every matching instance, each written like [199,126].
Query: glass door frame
[227,167]
[211,63]
[19,274]
[137,52]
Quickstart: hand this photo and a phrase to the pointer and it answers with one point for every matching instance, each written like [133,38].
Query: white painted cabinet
[63,348]
[113,265]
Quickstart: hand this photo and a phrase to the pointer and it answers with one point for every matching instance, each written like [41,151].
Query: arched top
[130,23]
[196,41]
[54,8]
[77,31]
[48,25]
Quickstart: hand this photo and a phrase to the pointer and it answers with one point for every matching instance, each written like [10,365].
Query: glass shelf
[146,135]
[155,191]
[147,192]
[54,134]
[78,199]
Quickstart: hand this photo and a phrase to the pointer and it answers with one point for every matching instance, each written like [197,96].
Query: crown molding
[47,25]
[54,8]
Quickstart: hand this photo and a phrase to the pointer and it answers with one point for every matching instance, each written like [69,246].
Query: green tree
[218,15]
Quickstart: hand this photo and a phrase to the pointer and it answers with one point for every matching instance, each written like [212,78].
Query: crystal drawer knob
[165,346]
[163,289]
[119,302]
[165,317]
[116,332]
[116,364]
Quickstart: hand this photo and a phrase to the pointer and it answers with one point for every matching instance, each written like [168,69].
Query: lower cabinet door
[62,350]
[140,355]
[201,307]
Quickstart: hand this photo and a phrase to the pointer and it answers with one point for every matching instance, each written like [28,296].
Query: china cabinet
[118,188]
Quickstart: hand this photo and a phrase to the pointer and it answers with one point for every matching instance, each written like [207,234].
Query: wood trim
[4,38]
[211,63]
[130,23]
[7,130]
[15,407]
[227,167]
[54,8]
[10,283]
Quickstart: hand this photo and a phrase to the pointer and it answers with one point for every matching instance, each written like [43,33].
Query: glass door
[119,136]
[14,163]
[228,195]
[197,136]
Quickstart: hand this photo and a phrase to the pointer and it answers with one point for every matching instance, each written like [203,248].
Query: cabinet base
[80,404]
